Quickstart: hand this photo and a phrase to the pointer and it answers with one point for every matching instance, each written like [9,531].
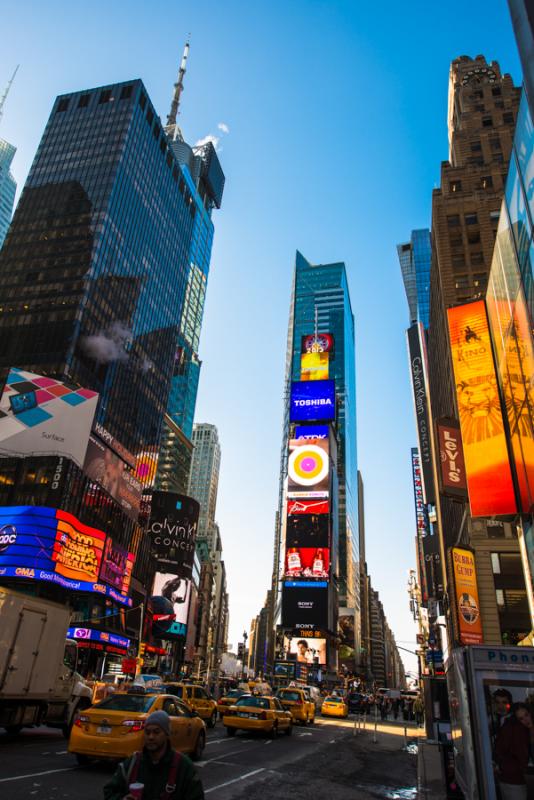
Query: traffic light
[142,648]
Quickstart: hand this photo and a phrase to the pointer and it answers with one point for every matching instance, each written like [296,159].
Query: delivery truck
[39,684]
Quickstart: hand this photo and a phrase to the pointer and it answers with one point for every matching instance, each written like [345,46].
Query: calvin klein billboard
[418,370]
[173,530]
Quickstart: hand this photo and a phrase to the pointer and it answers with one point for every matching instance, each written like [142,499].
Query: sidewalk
[430,779]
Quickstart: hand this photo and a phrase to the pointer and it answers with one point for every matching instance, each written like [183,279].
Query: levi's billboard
[173,530]
[313,401]
[453,480]
[489,477]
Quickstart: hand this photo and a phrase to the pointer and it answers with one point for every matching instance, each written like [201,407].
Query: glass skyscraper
[8,187]
[415,259]
[95,267]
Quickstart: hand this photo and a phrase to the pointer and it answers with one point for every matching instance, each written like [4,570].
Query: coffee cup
[136,790]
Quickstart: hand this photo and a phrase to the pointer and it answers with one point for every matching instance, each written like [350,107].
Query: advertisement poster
[117,566]
[318,343]
[307,562]
[306,650]
[178,591]
[419,372]
[312,401]
[308,530]
[453,479]
[489,477]
[305,606]
[173,530]
[103,466]
[48,544]
[466,592]
[284,670]
[314,367]
[308,468]
[302,506]
[43,416]
[347,634]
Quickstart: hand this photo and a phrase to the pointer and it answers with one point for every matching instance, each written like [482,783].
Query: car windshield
[177,691]
[235,693]
[333,699]
[289,696]
[260,702]
[127,702]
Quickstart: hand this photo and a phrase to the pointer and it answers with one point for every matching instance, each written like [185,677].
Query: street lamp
[245,637]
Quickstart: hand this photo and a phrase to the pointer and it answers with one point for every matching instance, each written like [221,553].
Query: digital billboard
[317,343]
[303,506]
[314,367]
[173,529]
[43,416]
[453,480]
[489,478]
[48,544]
[418,370]
[307,562]
[90,634]
[117,566]
[466,595]
[308,468]
[308,530]
[347,634]
[105,467]
[306,650]
[178,591]
[312,401]
[311,432]
[284,670]
[305,605]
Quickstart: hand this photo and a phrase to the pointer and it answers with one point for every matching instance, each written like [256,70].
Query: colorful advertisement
[307,562]
[43,416]
[173,530]
[178,591]
[418,370]
[305,605]
[48,544]
[317,343]
[466,593]
[489,478]
[284,670]
[306,650]
[308,468]
[89,634]
[105,467]
[302,506]
[308,530]
[314,367]
[311,432]
[453,480]
[312,401]
[347,634]
[117,566]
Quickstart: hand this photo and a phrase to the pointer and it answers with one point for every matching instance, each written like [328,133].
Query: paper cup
[136,790]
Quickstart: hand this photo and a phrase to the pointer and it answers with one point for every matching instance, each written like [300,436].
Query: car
[229,699]
[198,698]
[254,713]
[314,693]
[299,703]
[334,706]
[113,728]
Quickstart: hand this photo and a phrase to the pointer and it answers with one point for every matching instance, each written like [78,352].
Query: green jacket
[154,777]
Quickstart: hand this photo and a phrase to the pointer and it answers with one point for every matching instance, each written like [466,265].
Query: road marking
[37,774]
[216,758]
[268,742]
[235,780]
[304,734]
[61,752]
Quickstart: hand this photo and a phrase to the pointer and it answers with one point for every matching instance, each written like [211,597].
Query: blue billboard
[312,401]
[311,432]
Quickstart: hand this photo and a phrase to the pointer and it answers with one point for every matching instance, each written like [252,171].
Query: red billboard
[308,507]
[453,479]
[307,562]
[318,343]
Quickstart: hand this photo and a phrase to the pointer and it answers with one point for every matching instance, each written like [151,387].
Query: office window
[496,92]
[487,122]
[471,219]
[495,143]
[455,186]
[486,182]
[476,147]
[105,96]
[126,92]
[477,259]
[83,102]
[508,117]
[63,105]
[453,220]
[462,282]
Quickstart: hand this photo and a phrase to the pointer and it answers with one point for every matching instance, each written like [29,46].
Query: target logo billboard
[308,468]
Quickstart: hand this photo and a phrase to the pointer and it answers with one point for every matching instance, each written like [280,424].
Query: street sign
[129,665]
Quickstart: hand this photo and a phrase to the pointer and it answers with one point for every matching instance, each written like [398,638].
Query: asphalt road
[37,764]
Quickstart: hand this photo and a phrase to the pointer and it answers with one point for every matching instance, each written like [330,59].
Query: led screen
[317,343]
[311,432]
[117,566]
[312,401]
[178,591]
[307,650]
[308,468]
[314,367]
[307,562]
[303,506]
[305,605]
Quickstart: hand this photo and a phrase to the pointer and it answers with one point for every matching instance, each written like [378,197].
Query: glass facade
[8,187]
[415,259]
[204,480]
[93,273]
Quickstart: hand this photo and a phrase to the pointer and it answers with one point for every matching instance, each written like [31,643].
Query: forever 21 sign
[173,528]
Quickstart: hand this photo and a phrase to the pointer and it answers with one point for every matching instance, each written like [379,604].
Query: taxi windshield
[333,700]
[172,688]
[289,696]
[260,702]
[127,702]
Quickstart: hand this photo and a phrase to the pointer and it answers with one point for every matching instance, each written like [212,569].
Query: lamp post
[245,637]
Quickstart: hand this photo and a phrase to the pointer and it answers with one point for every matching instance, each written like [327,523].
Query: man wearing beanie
[164,773]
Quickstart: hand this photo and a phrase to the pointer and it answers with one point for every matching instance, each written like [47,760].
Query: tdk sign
[313,401]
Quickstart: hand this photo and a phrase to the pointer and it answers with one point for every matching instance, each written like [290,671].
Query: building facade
[415,258]
[8,187]
[204,478]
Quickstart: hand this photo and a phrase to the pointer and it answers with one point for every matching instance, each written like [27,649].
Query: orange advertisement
[489,477]
[78,548]
[466,592]
[314,366]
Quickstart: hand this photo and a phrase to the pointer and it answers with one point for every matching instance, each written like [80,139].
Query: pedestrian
[512,749]
[164,773]
[418,710]
[396,705]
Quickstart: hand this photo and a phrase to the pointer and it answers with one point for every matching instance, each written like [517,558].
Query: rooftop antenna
[316,324]
[172,128]
[8,87]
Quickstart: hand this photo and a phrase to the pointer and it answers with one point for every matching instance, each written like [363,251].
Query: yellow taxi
[334,706]
[298,703]
[198,698]
[253,713]
[229,699]
[113,728]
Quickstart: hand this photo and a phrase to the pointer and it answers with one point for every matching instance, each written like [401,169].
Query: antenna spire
[172,127]
[8,87]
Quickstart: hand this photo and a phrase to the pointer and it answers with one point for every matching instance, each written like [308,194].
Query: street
[324,760]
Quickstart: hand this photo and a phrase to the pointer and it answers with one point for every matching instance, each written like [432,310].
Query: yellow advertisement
[314,366]
[466,591]
[489,478]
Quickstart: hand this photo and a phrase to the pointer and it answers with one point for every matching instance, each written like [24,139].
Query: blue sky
[337,126]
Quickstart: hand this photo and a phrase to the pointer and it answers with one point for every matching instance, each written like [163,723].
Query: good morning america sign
[313,401]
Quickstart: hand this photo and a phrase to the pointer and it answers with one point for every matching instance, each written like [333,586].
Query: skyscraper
[204,479]
[8,187]
[415,258]
[94,270]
